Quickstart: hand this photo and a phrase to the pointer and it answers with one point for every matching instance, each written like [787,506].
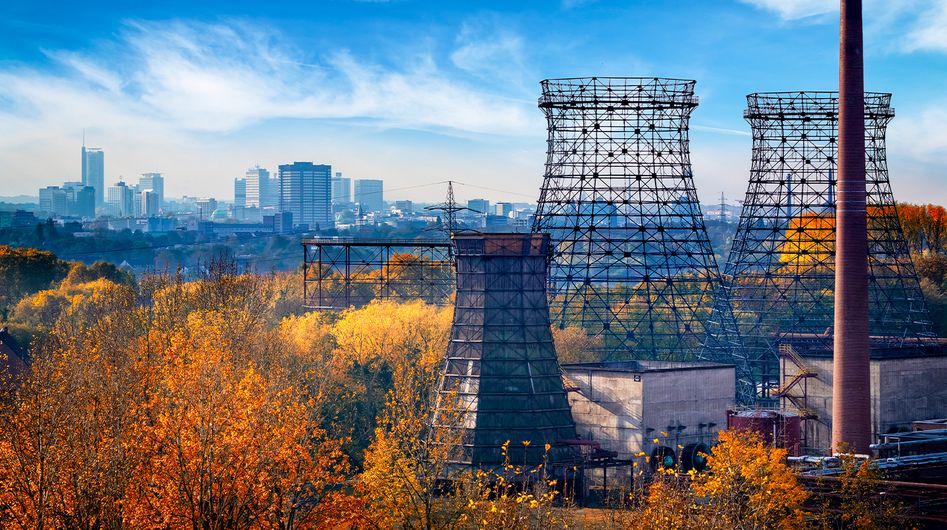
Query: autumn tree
[25,271]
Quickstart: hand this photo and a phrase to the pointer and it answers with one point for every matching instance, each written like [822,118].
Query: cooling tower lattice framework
[632,262]
[781,266]
[501,366]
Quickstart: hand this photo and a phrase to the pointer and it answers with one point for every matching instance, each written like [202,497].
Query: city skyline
[432,92]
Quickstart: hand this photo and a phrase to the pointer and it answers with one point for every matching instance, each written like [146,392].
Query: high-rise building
[341,189]
[54,201]
[149,203]
[121,200]
[258,188]
[81,199]
[305,192]
[479,205]
[154,182]
[240,192]
[93,172]
[369,194]
[503,209]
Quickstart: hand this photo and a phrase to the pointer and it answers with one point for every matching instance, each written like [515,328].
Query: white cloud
[484,48]
[195,77]
[929,33]
[796,9]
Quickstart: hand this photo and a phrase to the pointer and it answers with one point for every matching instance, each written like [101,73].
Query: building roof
[645,366]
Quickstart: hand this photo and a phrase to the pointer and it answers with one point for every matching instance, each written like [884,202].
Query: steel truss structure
[500,371]
[632,263]
[780,272]
[342,273]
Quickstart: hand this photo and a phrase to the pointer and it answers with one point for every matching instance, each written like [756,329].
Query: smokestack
[851,399]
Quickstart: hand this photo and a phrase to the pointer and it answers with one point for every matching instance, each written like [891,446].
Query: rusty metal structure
[340,273]
[500,370]
[632,262]
[781,273]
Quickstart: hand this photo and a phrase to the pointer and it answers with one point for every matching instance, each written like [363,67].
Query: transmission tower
[781,268]
[449,209]
[632,261]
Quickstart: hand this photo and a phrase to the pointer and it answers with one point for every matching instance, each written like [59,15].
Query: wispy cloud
[488,49]
[199,77]
[796,9]
[930,31]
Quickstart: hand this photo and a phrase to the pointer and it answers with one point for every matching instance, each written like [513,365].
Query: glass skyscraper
[305,192]
[93,172]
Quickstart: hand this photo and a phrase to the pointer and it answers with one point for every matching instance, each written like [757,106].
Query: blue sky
[418,92]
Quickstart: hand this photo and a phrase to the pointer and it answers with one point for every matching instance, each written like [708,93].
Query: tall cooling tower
[501,371]
[632,262]
[781,269]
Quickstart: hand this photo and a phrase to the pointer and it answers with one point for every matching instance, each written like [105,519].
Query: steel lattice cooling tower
[501,368]
[632,262]
[781,268]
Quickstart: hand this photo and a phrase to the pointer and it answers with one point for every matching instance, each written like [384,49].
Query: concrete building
[907,384]
[206,206]
[305,192]
[155,183]
[93,172]
[121,200]
[54,201]
[240,192]
[370,196]
[341,189]
[146,203]
[481,206]
[405,207]
[626,405]
[81,199]
[258,190]
[503,209]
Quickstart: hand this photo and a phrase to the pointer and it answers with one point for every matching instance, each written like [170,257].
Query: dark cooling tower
[501,364]
[781,269]
[632,262]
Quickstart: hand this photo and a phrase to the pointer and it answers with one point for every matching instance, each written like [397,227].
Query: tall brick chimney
[851,399]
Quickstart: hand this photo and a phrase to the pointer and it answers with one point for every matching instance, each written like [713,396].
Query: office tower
[369,194]
[81,199]
[120,200]
[154,182]
[481,206]
[149,203]
[53,200]
[503,209]
[341,189]
[93,172]
[258,189]
[240,192]
[305,193]
[405,207]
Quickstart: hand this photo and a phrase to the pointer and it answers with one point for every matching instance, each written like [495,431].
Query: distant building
[305,193]
[53,201]
[259,192]
[206,206]
[369,194]
[121,200]
[405,207]
[154,182]
[240,192]
[93,172]
[341,189]
[148,203]
[479,205]
[81,199]
[17,219]
[503,209]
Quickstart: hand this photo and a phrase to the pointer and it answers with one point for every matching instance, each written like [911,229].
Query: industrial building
[627,405]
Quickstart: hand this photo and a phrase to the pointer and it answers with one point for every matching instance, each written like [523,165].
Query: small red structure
[777,428]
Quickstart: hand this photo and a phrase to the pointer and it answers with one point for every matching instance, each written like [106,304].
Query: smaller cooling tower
[501,379]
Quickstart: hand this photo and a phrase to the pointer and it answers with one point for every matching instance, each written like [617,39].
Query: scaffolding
[780,273]
[632,263]
[340,273]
